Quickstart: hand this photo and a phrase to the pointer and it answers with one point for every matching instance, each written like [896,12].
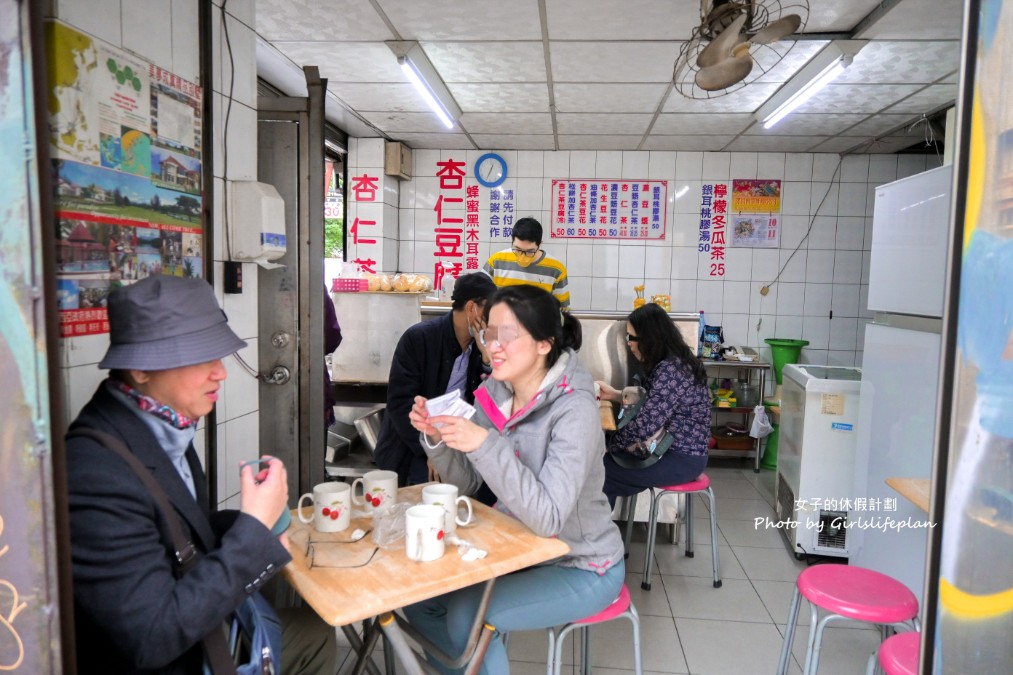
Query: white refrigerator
[900,371]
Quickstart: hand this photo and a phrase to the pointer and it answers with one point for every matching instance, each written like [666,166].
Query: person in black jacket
[432,358]
[132,614]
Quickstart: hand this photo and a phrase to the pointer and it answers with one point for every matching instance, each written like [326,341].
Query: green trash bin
[783,352]
[769,460]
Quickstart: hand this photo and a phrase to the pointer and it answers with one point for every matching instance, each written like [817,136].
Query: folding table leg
[399,644]
[363,649]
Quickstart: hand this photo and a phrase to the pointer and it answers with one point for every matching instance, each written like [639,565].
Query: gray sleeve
[544,500]
[453,466]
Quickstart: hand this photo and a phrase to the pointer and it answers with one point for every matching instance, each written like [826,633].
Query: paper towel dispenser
[256,223]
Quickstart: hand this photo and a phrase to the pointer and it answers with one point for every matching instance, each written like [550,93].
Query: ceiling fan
[723,50]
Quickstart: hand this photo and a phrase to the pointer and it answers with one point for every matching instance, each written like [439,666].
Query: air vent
[785,499]
[832,532]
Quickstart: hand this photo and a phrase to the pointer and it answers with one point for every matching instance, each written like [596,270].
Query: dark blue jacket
[132,615]
[422,363]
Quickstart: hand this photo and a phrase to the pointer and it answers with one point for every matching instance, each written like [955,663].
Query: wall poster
[126,144]
[756,205]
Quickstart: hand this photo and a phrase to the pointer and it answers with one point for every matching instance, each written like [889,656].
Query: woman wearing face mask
[536,440]
[664,441]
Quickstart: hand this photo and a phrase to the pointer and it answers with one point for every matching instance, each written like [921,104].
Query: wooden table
[389,580]
[608,418]
[915,490]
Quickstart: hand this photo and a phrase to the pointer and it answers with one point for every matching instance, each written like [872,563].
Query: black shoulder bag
[254,621]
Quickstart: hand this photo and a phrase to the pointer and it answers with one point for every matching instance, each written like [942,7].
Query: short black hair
[528,229]
[477,286]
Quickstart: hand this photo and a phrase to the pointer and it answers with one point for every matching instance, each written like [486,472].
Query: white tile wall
[166,33]
[827,273]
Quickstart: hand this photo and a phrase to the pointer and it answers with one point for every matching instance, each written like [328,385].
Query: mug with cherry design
[332,508]
[379,490]
[424,532]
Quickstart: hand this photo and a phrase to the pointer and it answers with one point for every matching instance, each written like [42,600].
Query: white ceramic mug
[445,495]
[379,490]
[424,532]
[332,507]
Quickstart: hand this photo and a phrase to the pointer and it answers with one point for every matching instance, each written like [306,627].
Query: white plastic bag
[761,425]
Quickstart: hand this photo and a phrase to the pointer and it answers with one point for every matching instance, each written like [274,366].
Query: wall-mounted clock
[491,170]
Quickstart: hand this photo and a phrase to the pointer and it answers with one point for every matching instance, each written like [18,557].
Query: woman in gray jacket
[537,442]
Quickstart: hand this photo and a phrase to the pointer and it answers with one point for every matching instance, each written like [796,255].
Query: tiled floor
[687,626]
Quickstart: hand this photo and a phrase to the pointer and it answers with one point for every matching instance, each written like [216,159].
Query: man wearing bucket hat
[134,611]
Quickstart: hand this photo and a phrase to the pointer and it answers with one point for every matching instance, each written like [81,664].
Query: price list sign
[609,209]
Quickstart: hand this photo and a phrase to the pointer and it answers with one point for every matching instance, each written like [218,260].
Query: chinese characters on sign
[501,213]
[364,189]
[449,253]
[713,221]
[606,209]
[471,234]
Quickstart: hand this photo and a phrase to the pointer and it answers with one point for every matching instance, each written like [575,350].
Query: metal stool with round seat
[898,655]
[701,486]
[622,606]
[845,592]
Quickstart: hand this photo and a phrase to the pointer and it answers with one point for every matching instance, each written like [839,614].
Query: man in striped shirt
[526,263]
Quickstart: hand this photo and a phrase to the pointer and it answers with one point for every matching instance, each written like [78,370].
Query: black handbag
[253,646]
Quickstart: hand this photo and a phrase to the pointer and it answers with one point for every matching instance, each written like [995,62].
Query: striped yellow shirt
[546,273]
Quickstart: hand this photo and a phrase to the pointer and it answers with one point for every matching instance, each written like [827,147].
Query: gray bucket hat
[165,322]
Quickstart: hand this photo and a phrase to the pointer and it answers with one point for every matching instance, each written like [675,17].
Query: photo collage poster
[125,137]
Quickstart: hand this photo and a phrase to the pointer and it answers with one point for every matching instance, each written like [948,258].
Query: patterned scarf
[150,405]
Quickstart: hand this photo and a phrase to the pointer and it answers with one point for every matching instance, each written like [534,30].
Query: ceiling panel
[920,20]
[836,16]
[501,97]
[878,124]
[610,123]
[488,61]
[687,143]
[596,142]
[507,123]
[927,99]
[746,99]
[405,122]
[638,98]
[828,124]
[336,20]
[346,61]
[901,62]
[774,143]
[613,61]
[628,20]
[472,20]
[514,141]
[369,97]
[857,98]
[779,61]
[444,141]
[677,124]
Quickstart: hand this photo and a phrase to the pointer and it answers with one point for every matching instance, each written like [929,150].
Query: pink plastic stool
[845,592]
[622,606]
[898,655]
[701,486]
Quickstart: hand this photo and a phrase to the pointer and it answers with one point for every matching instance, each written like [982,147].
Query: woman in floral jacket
[640,455]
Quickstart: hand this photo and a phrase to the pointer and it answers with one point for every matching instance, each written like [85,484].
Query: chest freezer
[816,457]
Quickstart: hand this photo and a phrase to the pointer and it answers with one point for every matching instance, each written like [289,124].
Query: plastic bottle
[699,335]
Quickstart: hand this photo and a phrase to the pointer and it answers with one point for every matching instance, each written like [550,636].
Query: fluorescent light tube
[810,89]
[411,70]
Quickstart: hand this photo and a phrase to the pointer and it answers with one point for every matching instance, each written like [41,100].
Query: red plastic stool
[845,592]
[898,655]
[622,606]
[701,486]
